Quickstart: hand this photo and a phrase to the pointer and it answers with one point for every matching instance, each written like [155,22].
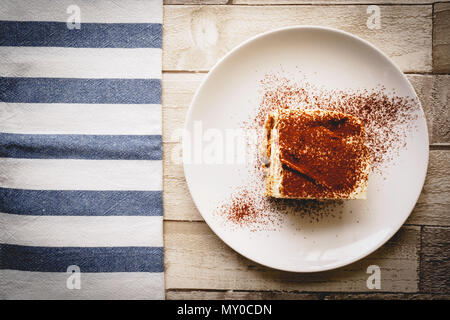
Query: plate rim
[188,116]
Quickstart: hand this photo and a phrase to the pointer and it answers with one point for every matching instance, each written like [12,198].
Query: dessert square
[315,154]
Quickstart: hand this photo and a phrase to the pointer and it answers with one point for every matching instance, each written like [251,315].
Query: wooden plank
[431,209]
[178,203]
[331,2]
[433,206]
[179,89]
[440,109]
[423,85]
[281,295]
[441,38]
[387,296]
[177,92]
[172,162]
[239,295]
[435,260]
[195,1]
[195,258]
[173,123]
[195,37]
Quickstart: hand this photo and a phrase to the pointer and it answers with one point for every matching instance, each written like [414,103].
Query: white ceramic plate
[229,94]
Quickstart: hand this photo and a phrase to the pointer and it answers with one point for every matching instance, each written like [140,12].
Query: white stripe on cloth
[66,118]
[84,231]
[56,62]
[104,11]
[53,285]
[74,174]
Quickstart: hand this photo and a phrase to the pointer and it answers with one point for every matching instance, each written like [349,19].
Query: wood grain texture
[387,296]
[435,260]
[195,258]
[441,108]
[195,37]
[280,295]
[201,266]
[433,206]
[441,38]
[195,1]
[423,85]
[239,295]
[177,92]
[178,203]
[173,123]
[331,2]
[178,88]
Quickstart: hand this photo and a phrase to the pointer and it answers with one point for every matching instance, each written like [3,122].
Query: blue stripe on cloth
[96,259]
[90,35]
[67,146]
[80,202]
[67,90]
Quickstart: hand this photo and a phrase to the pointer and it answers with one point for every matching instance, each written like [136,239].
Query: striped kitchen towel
[80,149]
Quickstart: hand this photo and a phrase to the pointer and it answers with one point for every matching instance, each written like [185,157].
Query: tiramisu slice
[315,154]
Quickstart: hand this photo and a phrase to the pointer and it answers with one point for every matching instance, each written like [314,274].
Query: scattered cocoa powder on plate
[387,119]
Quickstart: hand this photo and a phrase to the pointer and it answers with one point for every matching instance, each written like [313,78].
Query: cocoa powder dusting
[240,210]
[387,120]
[247,208]
[309,141]
[386,117]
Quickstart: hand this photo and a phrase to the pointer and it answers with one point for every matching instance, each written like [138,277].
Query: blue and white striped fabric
[80,149]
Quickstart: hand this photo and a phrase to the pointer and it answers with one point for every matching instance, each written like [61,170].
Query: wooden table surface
[416,261]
